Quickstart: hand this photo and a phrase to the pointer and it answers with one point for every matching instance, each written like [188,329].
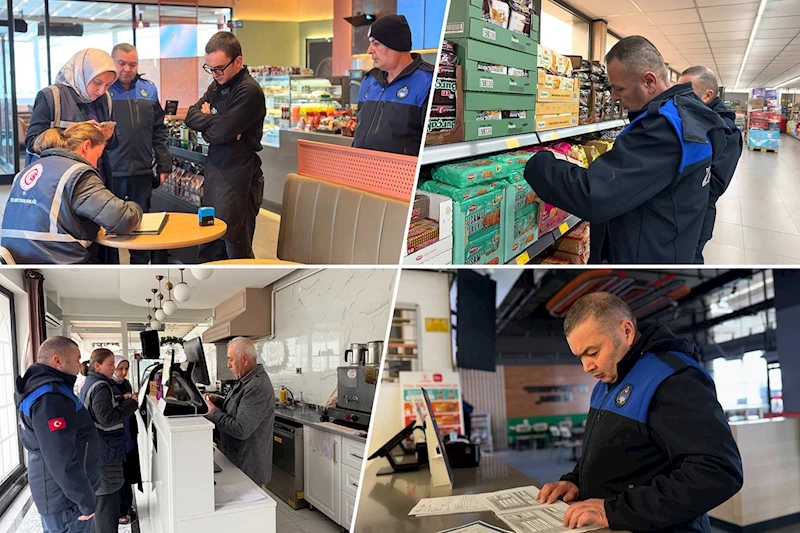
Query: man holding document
[658,451]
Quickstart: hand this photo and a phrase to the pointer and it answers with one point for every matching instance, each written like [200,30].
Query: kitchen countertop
[308,416]
[386,500]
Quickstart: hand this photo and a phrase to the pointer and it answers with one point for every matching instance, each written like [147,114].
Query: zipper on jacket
[586,441]
[380,108]
[133,120]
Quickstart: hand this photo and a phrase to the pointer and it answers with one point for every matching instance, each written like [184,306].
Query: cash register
[181,397]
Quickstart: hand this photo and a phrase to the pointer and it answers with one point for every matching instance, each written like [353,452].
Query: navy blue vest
[39,225]
[112,439]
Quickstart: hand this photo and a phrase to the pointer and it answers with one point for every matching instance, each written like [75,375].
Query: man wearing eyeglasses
[231,118]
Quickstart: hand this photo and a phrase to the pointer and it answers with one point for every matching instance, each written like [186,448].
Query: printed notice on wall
[444,390]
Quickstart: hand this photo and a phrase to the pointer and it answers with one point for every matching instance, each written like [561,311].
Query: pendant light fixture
[170,307]
[149,316]
[182,290]
[202,272]
[154,323]
[160,314]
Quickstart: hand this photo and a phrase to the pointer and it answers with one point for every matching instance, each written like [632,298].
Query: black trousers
[139,189]
[106,516]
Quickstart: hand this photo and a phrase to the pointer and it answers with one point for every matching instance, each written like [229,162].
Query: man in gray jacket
[245,420]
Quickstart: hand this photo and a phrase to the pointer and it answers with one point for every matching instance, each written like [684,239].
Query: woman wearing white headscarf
[130,470]
[79,95]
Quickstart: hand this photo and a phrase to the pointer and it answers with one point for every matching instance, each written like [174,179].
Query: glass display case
[302,103]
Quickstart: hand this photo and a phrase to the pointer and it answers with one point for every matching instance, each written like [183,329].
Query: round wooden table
[250,262]
[180,231]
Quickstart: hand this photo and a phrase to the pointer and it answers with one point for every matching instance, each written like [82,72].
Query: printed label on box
[489,34]
[487,83]
[454,27]
[484,131]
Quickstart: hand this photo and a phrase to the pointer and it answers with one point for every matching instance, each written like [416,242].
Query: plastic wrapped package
[468,173]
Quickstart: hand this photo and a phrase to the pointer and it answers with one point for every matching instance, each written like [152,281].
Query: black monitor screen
[150,344]
[476,331]
[194,353]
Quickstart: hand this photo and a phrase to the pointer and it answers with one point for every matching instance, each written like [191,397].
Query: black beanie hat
[393,32]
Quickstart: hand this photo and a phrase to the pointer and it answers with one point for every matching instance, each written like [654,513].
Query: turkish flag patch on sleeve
[57,424]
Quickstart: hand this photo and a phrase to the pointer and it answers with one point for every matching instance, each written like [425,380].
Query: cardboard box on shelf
[487,250]
[557,108]
[473,221]
[431,254]
[482,129]
[441,209]
[553,61]
[555,83]
[572,259]
[475,103]
[545,122]
[466,20]
[520,227]
[552,95]
[478,57]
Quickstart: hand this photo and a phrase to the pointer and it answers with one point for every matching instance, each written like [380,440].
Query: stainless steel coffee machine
[357,383]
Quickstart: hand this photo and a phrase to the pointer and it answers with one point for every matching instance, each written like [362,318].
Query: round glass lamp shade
[170,307]
[182,292]
[155,324]
[202,273]
[160,315]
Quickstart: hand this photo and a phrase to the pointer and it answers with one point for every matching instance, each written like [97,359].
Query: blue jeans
[66,522]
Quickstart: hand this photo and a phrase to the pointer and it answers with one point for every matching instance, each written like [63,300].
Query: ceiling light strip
[761,8]
[788,82]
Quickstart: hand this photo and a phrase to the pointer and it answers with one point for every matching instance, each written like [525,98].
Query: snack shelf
[449,152]
[544,241]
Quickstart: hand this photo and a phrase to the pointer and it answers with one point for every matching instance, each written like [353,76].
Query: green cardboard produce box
[473,221]
[489,129]
[471,53]
[477,101]
[465,21]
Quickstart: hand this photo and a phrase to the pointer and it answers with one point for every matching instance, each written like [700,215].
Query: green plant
[171,340]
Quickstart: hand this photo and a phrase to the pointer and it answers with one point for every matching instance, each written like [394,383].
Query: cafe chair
[556,440]
[540,434]
[5,257]
[570,443]
[523,434]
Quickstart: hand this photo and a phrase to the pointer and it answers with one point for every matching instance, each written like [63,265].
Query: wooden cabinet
[248,313]
[332,474]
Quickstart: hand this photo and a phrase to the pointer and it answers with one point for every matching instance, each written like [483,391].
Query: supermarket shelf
[449,152]
[544,241]
[182,153]
[563,133]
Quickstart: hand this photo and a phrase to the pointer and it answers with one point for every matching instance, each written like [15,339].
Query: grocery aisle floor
[758,217]
[22,517]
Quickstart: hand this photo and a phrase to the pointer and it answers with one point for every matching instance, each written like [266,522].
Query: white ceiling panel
[712,3]
[688,38]
[662,5]
[635,20]
[682,29]
[774,49]
[789,33]
[719,14]
[605,8]
[766,42]
[680,16]
[779,23]
[729,36]
[729,25]
[782,8]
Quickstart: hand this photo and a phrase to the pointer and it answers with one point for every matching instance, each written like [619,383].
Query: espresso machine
[357,383]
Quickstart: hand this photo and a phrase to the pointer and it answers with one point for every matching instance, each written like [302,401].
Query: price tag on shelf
[593,128]
[563,228]
[548,136]
[523,258]
[512,143]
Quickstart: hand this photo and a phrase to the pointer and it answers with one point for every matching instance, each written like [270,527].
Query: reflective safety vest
[39,225]
[112,438]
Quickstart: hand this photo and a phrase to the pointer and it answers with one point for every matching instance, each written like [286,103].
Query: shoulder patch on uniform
[31,176]
[623,395]
[143,92]
[402,92]
[57,424]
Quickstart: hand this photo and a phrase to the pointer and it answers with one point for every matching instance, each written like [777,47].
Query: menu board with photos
[444,391]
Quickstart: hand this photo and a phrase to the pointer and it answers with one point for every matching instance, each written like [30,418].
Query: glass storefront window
[610,42]
[563,32]
[741,382]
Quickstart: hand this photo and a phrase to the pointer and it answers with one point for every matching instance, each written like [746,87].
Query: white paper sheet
[510,500]
[236,494]
[476,527]
[467,503]
[543,519]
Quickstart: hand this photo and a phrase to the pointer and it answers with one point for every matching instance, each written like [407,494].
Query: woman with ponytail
[58,203]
